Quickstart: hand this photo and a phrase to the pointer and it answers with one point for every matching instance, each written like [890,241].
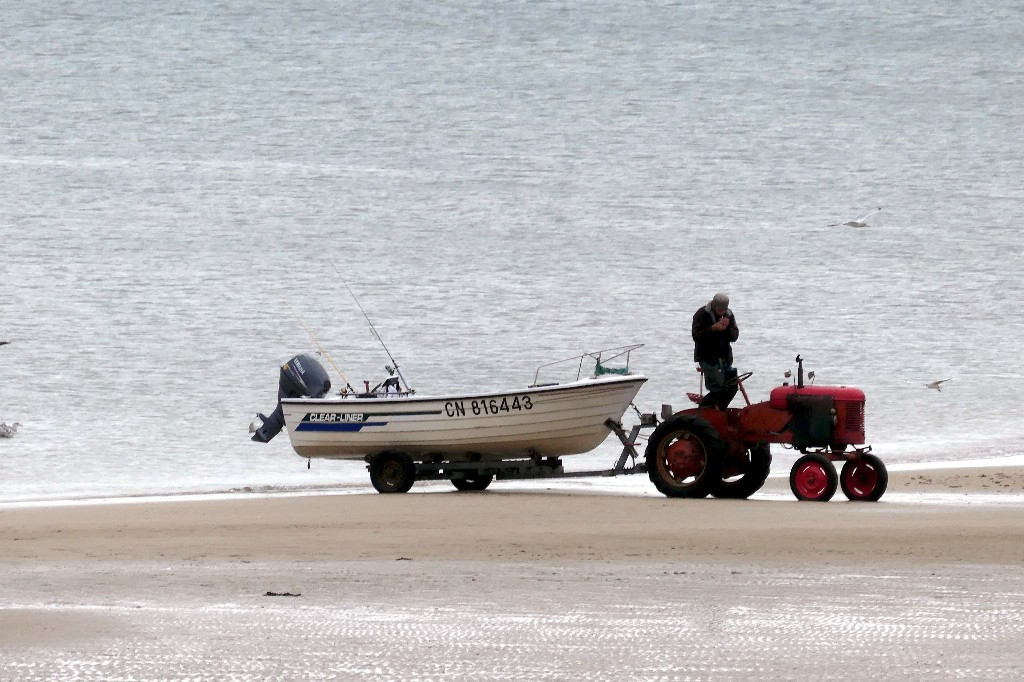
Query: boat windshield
[619,355]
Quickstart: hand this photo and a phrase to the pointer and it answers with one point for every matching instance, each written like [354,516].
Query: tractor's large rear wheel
[813,477]
[685,456]
[392,472]
[743,478]
[864,479]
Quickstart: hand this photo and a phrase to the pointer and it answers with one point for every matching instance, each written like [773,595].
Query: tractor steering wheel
[739,379]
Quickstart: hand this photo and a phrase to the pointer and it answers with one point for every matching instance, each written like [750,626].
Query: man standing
[714,329]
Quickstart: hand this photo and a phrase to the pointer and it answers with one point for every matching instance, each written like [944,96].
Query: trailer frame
[543,467]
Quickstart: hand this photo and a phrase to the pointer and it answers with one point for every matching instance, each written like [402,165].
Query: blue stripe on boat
[338,426]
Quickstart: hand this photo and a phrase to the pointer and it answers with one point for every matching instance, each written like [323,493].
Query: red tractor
[707,450]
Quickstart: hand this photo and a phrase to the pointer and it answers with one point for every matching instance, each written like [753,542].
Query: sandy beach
[521,584]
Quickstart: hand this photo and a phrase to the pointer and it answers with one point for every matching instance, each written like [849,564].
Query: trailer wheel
[743,480]
[813,477]
[392,472]
[471,483]
[685,456]
[864,479]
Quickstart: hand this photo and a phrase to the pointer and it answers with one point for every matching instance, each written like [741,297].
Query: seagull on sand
[8,430]
[937,385]
[858,220]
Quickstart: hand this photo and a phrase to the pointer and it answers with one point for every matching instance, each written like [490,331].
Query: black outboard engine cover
[301,377]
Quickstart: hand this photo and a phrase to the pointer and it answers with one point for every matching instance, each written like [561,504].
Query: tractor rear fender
[744,428]
[717,418]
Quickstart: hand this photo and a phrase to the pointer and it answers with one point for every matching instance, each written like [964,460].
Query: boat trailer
[478,475]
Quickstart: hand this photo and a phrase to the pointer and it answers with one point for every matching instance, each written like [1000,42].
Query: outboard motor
[301,377]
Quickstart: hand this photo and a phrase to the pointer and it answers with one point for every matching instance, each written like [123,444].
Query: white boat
[392,424]
[544,421]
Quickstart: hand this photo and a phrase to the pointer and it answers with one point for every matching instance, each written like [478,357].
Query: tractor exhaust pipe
[799,372]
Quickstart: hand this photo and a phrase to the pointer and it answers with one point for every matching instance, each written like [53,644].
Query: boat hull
[543,421]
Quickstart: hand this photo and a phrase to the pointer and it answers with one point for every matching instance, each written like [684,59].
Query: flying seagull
[858,221]
[937,385]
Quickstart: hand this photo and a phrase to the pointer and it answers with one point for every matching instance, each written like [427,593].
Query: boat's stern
[301,377]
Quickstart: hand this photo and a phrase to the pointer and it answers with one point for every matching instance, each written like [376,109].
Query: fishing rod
[323,352]
[373,329]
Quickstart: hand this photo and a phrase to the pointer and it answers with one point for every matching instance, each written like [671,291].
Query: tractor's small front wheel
[813,478]
[685,457]
[864,479]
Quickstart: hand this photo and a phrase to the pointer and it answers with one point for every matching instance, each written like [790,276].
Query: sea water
[187,189]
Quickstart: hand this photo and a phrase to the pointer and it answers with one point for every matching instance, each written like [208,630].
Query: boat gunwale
[403,399]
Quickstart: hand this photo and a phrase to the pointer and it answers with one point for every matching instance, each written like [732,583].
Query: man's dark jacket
[712,346]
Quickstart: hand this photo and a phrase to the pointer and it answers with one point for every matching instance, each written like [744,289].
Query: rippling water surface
[502,184]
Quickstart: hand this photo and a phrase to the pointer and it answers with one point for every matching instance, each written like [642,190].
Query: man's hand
[721,325]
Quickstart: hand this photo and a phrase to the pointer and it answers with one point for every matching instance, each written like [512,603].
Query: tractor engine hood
[780,395]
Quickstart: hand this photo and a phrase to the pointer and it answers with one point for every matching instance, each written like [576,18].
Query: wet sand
[521,584]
